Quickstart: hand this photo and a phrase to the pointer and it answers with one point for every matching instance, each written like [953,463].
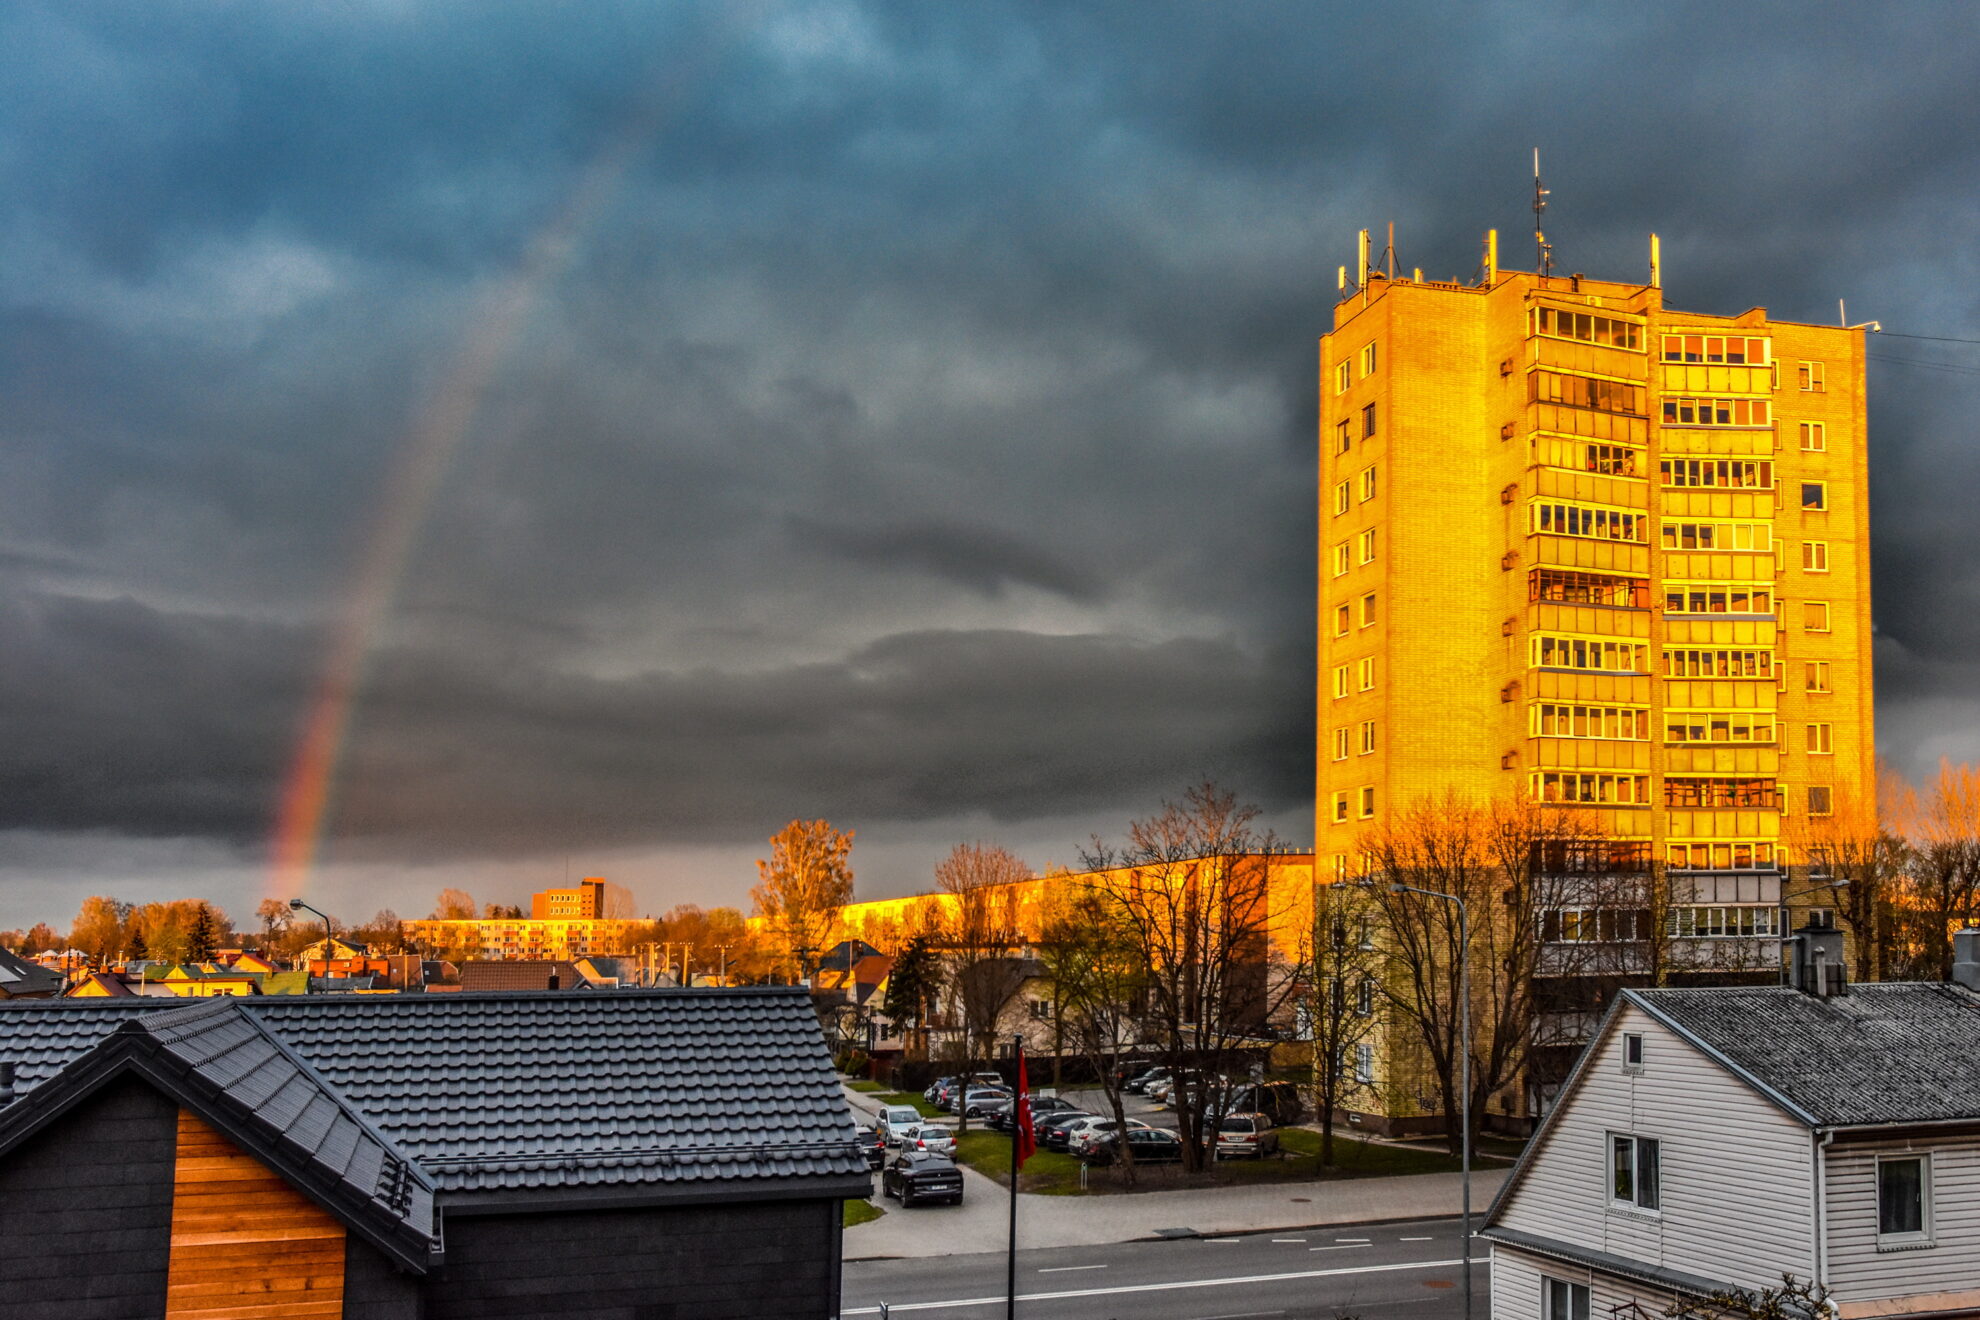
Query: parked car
[1148,1145]
[892,1117]
[1042,1106]
[914,1176]
[973,1102]
[1083,1136]
[950,1089]
[874,1145]
[1164,1091]
[1141,1082]
[1254,1135]
[935,1089]
[1051,1132]
[1281,1102]
[1126,1070]
[928,1136]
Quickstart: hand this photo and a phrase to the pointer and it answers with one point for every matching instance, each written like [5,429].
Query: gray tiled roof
[677,1089]
[1880,1053]
[18,976]
[519,974]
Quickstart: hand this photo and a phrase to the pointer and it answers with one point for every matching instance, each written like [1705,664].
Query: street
[1407,1270]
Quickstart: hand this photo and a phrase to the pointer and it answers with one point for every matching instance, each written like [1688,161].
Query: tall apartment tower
[1617,555]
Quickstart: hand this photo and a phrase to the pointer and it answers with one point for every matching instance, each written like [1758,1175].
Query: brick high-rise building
[584,901]
[1616,555]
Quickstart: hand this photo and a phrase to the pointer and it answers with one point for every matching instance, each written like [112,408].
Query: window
[1368,358]
[1821,740]
[1904,1198]
[1368,483]
[1608,331]
[1368,610]
[1368,420]
[1723,923]
[1633,1171]
[1716,350]
[1368,546]
[1341,743]
[1809,376]
[1587,392]
[1815,616]
[1367,801]
[1686,792]
[1343,558]
[1574,588]
[1717,598]
[1596,523]
[1718,726]
[1815,676]
[1367,737]
[1364,1063]
[1343,376]
[1340,808]
[1343,437]
[1343,494]
[1717,473]
[1343,617]
[1717,536]
[1821,800]
[1814,556]
[1364,996]
[1563,1300]
[1685,411]
[1626,723]
[1367,674]
[1815,496]
[1591,786]
[1632,1049]
[1814,437]
[1340,681]
[1718,664]
[1588,653]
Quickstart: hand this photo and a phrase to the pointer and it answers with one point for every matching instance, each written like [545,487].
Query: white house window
[1904,1199]
[1633,1050]
[1564,1300]
[1364,1063]
[1633,1171]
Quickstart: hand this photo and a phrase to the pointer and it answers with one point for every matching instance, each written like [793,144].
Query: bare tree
[1852,848]
[980,939]
[805,881]
[1343,998]
[1099,982]
[453,905]
[1191,888]
[1793,1299]
[1940,889]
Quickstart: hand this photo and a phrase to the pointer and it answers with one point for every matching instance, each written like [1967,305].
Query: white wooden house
[1721,1138]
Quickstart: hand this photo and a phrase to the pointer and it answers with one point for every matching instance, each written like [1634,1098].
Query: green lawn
[906,1098]
[860,1212]
[1046,1172]
[867,1088]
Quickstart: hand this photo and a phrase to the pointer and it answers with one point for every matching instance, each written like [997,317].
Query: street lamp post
[1464,1076]
[329,930]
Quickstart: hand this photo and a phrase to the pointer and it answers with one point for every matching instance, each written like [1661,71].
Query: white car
[1083,1136]
[892,1118]
[927,1136]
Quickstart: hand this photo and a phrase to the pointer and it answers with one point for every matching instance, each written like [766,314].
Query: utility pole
[687,966]
[722,966]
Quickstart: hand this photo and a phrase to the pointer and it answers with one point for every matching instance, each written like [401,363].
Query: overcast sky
[902,414]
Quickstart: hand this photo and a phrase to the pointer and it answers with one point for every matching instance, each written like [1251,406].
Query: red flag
[1027,1138]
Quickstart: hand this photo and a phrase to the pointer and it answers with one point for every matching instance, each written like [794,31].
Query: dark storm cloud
[930,399]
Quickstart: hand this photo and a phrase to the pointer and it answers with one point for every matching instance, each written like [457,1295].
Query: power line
[1952,368]
[1937,339]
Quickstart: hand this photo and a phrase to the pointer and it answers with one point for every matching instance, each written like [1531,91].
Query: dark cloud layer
[918,429]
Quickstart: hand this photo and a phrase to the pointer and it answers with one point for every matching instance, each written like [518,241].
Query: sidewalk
[980,1223]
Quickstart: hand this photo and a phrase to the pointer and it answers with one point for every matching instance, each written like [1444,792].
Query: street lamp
[1464,1084]
[329,931]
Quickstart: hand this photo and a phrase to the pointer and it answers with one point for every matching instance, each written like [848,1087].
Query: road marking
[1242,1315]
[1350,1239]
[1345,1246]
[1416,1239]
[1233,1281]
[1062,1269]
[1220,1239]
[1289,1239]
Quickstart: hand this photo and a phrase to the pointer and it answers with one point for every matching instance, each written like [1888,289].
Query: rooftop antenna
[1546,254]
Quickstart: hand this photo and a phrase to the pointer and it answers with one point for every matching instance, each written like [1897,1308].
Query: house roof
[1880,1054]
[18,976]
[102,983]
[654,1094]
[519,974]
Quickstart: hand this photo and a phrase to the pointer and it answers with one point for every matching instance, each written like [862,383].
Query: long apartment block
[1616,555]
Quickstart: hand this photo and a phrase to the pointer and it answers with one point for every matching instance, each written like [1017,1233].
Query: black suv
[920,1175]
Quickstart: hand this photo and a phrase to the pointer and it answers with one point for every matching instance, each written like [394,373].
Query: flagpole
[1020,1104]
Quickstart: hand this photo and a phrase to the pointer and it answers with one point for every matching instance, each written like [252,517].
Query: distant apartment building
[563,925]
[583,902]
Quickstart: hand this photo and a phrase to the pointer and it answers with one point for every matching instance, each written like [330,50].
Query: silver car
[932,1137]
[1082,1137]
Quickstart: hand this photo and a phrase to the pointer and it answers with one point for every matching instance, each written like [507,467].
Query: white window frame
[1368,483]
[1635,1203]
[1343,376]
[1579,1297]
[1902,1241]
[1343,496]
[1364,1064]
[1632,1045]
[1368,358]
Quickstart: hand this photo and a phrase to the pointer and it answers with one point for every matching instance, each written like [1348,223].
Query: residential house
[521,974]
[645,1155]
[21,979]
[1721,1138]
[101,985]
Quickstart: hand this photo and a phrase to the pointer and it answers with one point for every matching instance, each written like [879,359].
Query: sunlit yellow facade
[1578,543]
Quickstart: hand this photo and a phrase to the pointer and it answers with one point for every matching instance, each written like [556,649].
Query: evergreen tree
[201,938]
[913,982]
[138,951]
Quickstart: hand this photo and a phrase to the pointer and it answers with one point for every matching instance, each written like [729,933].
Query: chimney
[1966,958]
[1818,958]
[7,1083]
[554,979]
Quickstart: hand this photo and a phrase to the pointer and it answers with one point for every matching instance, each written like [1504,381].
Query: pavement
[981,1222]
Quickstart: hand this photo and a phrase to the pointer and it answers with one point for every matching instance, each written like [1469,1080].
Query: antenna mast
[1546,252]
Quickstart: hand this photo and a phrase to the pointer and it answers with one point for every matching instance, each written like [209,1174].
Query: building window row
[1574,588]
[1717,536]
[1716,473]
[1614,396]
[1720,793]
[1596,523]
[1621,723]
[1588,328]
[1718,598]
[1719,856]
[1592,787]
[1718,726]
[1687,411]
[1710,923]
[1608,925]
[1588,653]
[1723,350]
[1718,664]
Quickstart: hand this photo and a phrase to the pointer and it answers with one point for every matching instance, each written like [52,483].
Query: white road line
[1344,1246]
[1063,1269]
[1242,1315]
[1416,1239]
[1289,1240]
[1233,1281]
[1219,1239]
[1350,1239]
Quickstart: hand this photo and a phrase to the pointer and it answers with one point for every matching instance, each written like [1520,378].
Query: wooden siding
[775,1260]
[1737,1203]
[86,1211]
[245,1244]
[1857,1270]
[1516,1293]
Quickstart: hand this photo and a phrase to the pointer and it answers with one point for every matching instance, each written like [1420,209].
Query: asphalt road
[1374,1272]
